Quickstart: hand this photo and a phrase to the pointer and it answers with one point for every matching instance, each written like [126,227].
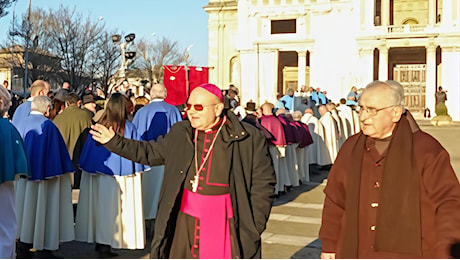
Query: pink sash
[213,211]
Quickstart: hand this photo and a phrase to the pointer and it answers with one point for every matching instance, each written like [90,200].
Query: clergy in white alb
[110,211]
[304,140]
[342,129]
[13,164]
[317,152]
[276,145]
[291,157]
[152,121]
[347,113]
[38,88]
[331,132]
[44,202]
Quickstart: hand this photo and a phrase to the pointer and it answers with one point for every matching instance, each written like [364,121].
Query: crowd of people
[200,182]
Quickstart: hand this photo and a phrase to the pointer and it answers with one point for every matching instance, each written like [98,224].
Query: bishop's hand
[101,133]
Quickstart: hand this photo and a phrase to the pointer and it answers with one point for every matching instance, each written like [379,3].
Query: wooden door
[413,79]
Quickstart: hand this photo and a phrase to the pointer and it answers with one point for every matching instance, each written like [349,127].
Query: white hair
[40,104]
[397,90]
[5,97]
[158,91]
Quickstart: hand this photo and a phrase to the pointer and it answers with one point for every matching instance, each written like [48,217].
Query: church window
[283,26]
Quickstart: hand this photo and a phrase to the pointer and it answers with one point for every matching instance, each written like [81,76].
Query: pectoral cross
[194,183]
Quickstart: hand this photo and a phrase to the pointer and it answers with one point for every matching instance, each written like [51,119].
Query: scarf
[398,216]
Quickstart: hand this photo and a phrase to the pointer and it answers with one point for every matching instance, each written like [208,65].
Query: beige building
[265,46]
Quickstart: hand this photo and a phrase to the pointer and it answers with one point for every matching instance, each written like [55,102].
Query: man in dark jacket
[392,192]
[218,184]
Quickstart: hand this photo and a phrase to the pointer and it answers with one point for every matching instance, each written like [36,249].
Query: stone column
[432,12]
[385,12]
[249,77]
[457,13]
[367,13]
[366,57]
[430,83]
[315,76]
[451,80]
[383,63]
[447,8]
[301,67]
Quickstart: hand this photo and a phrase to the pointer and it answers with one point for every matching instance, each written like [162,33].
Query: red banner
[198,76]
[175,81]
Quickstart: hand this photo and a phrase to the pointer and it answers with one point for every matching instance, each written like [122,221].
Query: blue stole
[96,159]
[45,148]
[155,119]
[13,158]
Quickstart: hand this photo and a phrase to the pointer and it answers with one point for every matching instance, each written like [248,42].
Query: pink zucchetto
[213,89]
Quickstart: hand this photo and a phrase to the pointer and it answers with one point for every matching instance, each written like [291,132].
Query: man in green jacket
[72,123]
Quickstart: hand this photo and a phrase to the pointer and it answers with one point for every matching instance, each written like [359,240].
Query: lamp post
[125,55]
[26,58]
[186,56]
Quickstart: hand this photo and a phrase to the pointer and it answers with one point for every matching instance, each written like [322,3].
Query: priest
[44,202]
[218,185]
[13,162]
[152,121]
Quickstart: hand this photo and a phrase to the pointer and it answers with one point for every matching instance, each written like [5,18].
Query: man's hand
[101,134]
[327,255]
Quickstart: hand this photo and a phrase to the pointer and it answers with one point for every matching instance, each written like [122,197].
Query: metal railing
[406,28]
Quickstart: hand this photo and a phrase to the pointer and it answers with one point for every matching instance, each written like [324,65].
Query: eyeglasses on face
[198,107]
[372,111]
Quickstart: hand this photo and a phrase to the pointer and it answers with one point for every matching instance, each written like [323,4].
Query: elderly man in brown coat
[218,183]
[392,192]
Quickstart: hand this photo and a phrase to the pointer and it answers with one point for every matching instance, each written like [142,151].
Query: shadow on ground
[317,176]
[310,251]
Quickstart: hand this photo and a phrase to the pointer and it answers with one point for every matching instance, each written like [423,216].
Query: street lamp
[124,54]
[26,59]
[186,56]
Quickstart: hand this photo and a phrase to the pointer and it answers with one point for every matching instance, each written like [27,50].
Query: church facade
[266,46]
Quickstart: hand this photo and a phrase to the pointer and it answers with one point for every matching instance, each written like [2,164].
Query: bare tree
[4,4]
[74,39]
[29,31]
[106,59]
[153,55]
[66,46]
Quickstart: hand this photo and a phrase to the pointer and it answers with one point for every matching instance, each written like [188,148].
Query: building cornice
[229,5]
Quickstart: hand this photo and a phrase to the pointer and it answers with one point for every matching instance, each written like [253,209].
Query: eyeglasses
[198,107]
[372,111]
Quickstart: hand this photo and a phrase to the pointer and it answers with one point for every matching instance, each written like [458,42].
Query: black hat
[88,99]
[61,95]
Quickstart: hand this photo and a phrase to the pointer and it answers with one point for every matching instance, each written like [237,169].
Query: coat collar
[233,130]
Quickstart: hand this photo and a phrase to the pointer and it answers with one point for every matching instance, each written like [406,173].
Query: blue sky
[184,21]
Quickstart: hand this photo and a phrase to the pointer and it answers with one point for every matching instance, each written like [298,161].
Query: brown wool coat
[252,179]
[439,202]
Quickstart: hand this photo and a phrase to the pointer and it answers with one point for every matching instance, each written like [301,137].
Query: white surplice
[8,224]
[331,134]
[110,211]
[347,113]
[317,152]
[45,212]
